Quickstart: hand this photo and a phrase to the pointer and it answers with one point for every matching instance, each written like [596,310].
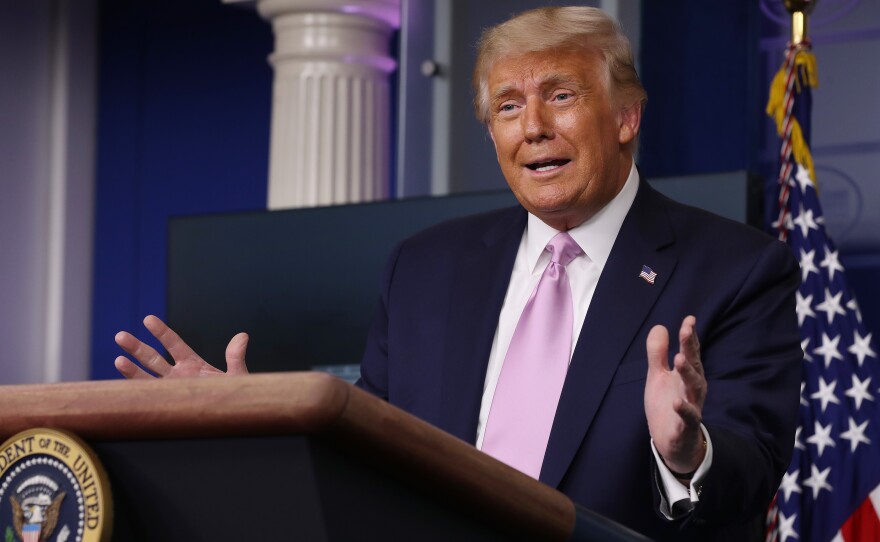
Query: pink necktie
[534,369]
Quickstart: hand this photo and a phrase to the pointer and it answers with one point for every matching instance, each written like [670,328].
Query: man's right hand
[186,362]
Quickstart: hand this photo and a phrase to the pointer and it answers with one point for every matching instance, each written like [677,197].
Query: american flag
[648,274]
[831,491]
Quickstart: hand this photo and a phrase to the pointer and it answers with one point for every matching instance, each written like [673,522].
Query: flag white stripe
[875,500]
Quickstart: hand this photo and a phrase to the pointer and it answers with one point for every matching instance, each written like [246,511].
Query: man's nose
[537,121]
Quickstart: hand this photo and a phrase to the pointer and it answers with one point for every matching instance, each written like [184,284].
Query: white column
[331,114]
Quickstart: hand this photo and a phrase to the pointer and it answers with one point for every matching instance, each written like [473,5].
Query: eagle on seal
[50,521]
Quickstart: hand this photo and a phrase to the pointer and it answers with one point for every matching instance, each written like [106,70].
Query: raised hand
[186,362]
[674,398]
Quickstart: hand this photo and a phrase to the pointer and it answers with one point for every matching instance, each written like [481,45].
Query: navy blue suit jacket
[441,297]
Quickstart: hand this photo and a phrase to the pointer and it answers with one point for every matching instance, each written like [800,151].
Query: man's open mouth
[547,165]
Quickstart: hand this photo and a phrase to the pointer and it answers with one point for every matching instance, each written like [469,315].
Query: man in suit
[688,451]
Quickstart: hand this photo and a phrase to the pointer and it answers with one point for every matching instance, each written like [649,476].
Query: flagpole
[800,11]
[781,99]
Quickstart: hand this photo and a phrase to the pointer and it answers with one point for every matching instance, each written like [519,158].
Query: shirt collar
[595,236]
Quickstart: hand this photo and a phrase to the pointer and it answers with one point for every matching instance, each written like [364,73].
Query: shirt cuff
[676,499]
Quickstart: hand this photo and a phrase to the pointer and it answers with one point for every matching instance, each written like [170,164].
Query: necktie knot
[563,249]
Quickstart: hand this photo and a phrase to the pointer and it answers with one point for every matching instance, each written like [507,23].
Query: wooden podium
[291,456]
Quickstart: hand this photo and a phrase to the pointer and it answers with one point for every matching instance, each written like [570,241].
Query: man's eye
[562,96]
[507,107]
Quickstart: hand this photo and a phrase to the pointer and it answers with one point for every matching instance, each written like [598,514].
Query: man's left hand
[674,397]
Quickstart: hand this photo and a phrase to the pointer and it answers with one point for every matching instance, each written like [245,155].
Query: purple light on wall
[387,12]
[826,12]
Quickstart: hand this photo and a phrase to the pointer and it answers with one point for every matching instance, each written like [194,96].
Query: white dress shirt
[596,237]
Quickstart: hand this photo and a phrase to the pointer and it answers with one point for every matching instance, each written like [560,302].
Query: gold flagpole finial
[799,10]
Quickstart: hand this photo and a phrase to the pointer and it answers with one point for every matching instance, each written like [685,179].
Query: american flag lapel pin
[648,274]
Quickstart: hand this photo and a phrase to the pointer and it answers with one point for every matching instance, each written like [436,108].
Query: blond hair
[556,27]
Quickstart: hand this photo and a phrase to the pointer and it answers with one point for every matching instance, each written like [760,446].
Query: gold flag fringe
[805,74]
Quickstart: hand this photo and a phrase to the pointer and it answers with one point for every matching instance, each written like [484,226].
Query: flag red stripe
[863,525]
[770,533]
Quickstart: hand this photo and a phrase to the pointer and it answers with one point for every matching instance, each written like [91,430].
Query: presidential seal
[52,489]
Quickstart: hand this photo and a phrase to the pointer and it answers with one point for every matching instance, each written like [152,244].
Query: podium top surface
[313,404]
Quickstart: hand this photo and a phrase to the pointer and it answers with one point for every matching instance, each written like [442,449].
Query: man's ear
[630,121]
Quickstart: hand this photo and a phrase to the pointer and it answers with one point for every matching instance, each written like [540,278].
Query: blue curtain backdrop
[183,128]
[698,64]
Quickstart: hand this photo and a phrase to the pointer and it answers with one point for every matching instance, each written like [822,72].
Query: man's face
[559,137]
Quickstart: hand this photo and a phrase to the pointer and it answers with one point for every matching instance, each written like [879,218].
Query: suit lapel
[620,305]
[479,285]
